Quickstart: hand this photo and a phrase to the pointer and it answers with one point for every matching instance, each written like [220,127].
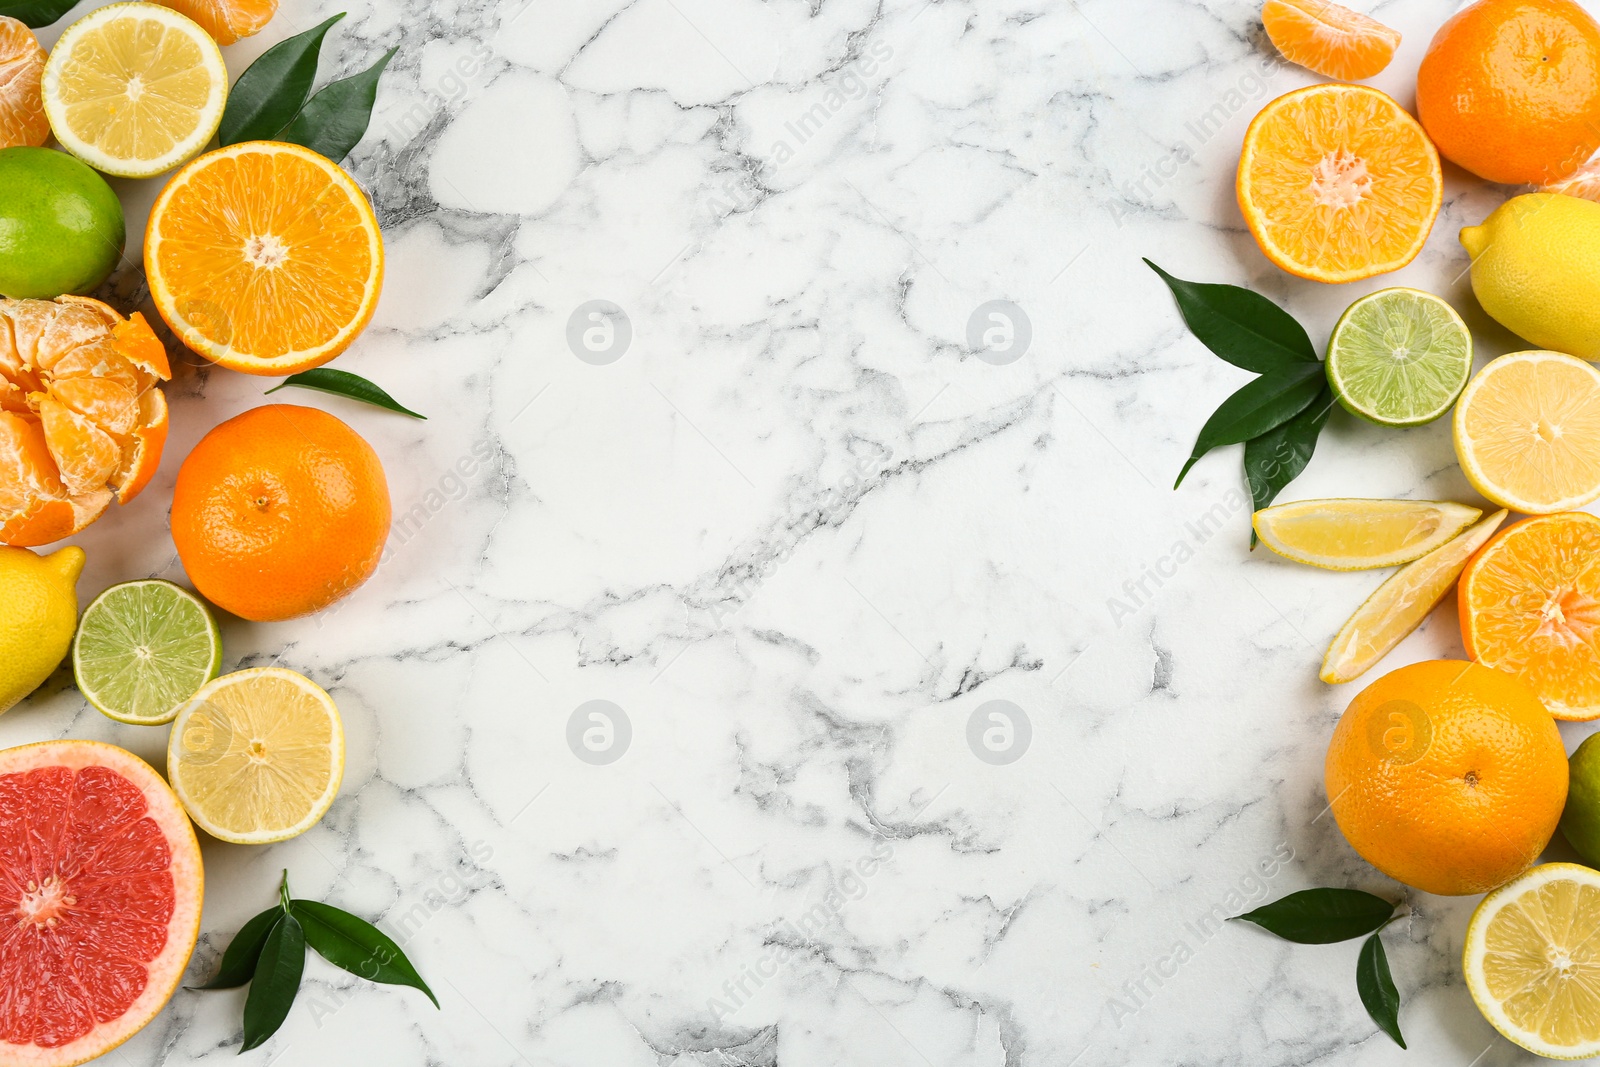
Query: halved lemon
[1400,604]
[1527,432]
[1532,960]
[1354,535]
[264,257]
[135,89]
[257,756]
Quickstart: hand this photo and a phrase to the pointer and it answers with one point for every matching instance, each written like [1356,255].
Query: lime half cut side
[143,649]
[1399,357]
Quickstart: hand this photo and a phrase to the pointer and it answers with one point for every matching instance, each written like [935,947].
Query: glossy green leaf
[271,92]
[1276,458]
[239,960]
[343,383]
[276,981]
[357,946]
[1377,988]
[1242,327]
[1322,916]
[37,13]
[334,120]
[1265,404]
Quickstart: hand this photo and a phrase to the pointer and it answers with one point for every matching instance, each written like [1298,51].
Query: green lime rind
[143,649]
[1399,357]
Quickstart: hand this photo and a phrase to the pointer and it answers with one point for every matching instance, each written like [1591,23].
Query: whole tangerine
[279,512]
[1510,89]
[1448,776]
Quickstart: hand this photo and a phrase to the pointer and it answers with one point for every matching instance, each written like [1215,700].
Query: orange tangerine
[81,419]
[1530,605]
[22,118]
[264,257]
[1338,183]
[226,20]
[1329,39]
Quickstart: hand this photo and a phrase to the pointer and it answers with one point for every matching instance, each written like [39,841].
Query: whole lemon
[1536,270]
[38,613]
[1447,776]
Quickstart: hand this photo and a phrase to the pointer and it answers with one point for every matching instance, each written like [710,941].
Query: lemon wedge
[1401,603]
[135,89]
[1354,535]
[1527,432]
[1532,960]
[257,756]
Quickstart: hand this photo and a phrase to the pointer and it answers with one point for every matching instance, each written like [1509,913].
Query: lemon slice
[135,89]
[1401,603]
[257,756]
[1532,960]
[1354,535]
[1527,432]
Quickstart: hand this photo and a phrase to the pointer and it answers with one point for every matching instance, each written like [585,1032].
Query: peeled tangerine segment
[1338,183]
[1351,534]
[1400,604]
[22,118]
[1530,605]
[1329,39]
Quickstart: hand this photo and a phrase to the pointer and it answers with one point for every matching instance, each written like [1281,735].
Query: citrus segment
[257,756]
[134,89]
[1329,39]
[264,257]
[1527,432]
[1351,535]
[100,893]
[1400,604]
[1399,357]
[1532,960]
[142,649]
[81,417]
[1338,183]
[1583,182]
[227,20]
[22,118]
[1530,605]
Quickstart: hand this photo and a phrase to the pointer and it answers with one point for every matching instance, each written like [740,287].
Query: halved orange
[1338,183]
[22,118]
[226,20]
[1530,605]
[264,257]
[1329,39]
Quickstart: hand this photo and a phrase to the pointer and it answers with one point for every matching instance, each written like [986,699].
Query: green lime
[1399,357]
[143,649]
[61,226]
[1580,822]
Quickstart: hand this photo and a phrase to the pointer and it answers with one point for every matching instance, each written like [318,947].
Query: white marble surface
[799,532]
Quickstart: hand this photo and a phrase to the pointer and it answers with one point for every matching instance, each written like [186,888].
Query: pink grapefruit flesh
[100,892]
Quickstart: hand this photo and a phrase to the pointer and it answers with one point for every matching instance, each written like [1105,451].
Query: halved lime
[144,648]
[1399,357]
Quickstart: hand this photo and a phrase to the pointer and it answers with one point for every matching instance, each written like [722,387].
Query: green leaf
[335,119]
[276,981]
[1322,916]
[239,961]
[1242,327]
[1265,404]
[357,946]
[1377,988]
[1276,458]
[343,383]
[37,13]
[271,92]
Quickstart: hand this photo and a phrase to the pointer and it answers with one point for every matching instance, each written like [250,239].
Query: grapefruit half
[100,891]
